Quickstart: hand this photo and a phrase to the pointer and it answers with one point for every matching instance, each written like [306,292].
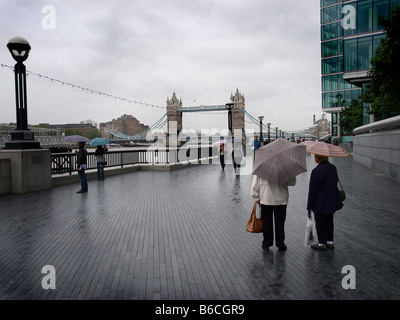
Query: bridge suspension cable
[84,89]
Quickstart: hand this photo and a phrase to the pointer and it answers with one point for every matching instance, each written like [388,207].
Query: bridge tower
[173,114]
[237,111]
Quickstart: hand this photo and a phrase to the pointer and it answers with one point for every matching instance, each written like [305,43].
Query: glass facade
[350,34]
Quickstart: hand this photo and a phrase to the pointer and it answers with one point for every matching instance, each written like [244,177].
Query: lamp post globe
[21,137]
[19,48]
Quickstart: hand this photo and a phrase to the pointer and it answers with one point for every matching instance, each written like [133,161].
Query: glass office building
[350,33]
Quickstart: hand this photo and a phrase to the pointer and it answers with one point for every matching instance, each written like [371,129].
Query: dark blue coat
[323,193]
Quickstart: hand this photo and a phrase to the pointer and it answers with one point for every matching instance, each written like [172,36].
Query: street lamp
[229,107]
[21,137]
[276,132]
[269,131]
[261,118]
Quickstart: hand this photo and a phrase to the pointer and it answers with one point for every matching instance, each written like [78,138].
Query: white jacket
[271,194]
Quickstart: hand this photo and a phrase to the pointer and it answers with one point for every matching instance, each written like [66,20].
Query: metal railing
[67,162]
[387,124]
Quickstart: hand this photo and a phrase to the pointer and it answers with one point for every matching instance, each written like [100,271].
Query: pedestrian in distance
[256,143]
[100,160]
[82,165]
[273,199]
[323,200]
[237,156]
[222,155]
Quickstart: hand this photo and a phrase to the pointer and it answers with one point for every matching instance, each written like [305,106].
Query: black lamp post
[276,132]
[269,131]
[261,118]
[21,137]
[229,107]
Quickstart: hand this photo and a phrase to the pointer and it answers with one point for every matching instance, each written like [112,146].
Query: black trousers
[324,226]
[222,161]
[273,215]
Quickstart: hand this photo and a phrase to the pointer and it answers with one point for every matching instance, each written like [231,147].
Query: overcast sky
[144,50]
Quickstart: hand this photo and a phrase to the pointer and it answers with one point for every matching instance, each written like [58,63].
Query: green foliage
[90,134]
[351,117]
[383,91]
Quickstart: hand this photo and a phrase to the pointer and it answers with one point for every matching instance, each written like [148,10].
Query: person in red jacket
[324,200]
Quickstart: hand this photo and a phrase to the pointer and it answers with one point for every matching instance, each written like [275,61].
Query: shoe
[266,248]
[282,248]
[81,191]
[316,246]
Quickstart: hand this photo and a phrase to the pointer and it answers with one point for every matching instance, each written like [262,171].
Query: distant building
[323,128]
[81,127]
[126,124]
[91,122]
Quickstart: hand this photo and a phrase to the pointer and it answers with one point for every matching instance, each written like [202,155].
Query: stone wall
[379,151]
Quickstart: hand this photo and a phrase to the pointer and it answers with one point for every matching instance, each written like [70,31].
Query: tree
[383,90]
[352,116]
[93,133]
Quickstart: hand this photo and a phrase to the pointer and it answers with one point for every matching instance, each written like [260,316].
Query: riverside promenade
[180,235]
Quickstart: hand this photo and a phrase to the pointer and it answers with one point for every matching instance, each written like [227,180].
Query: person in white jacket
[273,200]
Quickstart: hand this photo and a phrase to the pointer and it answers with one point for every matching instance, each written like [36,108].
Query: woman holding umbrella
[101,162]
[276,166]
[99,154]
[323,195]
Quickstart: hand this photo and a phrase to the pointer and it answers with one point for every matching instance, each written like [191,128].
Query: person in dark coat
[324,200]
[222,155]
[101,162]
[82,164]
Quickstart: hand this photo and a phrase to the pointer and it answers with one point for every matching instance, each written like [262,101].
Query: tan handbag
[254,224]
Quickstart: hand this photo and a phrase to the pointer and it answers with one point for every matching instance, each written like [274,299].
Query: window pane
[364,53]
[331,14]
[377,41]
[381,8]
[334,118]
[364,16]
[331,31]
[350,55]
[332,65]
[332,48]
[393,3]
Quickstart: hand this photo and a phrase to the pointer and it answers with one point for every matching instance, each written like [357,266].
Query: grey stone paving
[180,235]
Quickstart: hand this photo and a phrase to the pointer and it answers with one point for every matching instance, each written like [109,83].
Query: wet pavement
[180,235]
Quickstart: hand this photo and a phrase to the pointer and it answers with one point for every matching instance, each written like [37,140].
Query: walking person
[99,154]
[82,165]
[237,156]
[323,200]
[222,155]
[273,199]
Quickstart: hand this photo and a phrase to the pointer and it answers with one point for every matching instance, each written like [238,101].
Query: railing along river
[67,162]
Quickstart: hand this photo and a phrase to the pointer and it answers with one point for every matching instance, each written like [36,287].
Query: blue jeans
[82,178]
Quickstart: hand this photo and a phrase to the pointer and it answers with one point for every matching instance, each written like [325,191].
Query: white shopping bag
[311,234]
